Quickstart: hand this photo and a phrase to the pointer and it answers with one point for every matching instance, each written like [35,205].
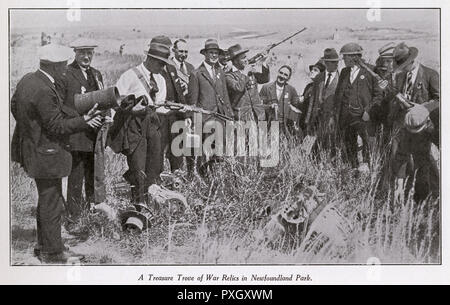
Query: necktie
[90,78]
[153,87]
[327,83]
[213,70]
[183,68]
[408,83]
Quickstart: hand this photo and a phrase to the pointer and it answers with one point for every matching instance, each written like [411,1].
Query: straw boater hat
[160,48]
[403,55]
[210,44]
[351,49]
[236,50]
[134,219]
[83,43]
[330,54]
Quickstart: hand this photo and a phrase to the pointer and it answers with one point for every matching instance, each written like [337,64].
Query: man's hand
[366,117]
[93,118]
[274,105]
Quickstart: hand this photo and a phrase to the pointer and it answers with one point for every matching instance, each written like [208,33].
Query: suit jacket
[73,82]
[174,91]
[368,93]
[288,97]
[207,93]
[323,98]
[245,101]
[42,124]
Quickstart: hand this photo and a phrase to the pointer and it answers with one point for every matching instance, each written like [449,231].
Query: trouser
[90,167]
[350,137]
[144,163]
[48,217]
[166,141]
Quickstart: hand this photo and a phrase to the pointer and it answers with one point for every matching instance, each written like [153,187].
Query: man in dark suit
[40,144]
[356,92]
[420,85]
[208,89]
[283,100]
[242,85]
[174,93]
[184,68]
[88,147]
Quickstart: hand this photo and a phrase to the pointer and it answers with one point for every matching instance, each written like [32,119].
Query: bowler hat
[236,50]
[330,54]
[404,54]
[210,44]
[318,65]
[160,48]
[416,119]
[83,43]
[351,48]
[134,219]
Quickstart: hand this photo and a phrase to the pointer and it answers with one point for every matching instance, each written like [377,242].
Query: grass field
[226,226]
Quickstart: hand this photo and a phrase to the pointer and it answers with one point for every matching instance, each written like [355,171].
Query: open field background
[224,230]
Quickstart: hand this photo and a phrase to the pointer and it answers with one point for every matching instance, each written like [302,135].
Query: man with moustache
[242,85]
[40,145]
[87,147]
[356,92]
[208,90]
[135,129]
[283,99]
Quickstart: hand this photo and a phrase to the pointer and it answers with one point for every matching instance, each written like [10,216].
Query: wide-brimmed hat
[83,43]
[351,49]
[318,65]
[160,48]
[387,50]
[404,54]
[330,54]
[210,44]
[236,50]
[417,118]
[134,219]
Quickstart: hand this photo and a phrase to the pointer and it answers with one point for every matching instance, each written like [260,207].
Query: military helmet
[351,48]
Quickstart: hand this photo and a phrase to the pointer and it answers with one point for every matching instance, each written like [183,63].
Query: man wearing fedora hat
[207,88]
[40,144]
[323,93]
[242,86]
[420,124]
[356,92]
[135,130]
[87,147]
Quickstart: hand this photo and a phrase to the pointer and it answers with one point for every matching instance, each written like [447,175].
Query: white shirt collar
[355,68]
[145,70]
[208,68]
[48,75]
[278,86]
[178,62]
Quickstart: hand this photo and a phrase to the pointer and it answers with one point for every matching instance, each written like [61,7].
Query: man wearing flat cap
[208,90]
[420,85]
[87,147]
[40,144]
[325,84]
[134,132]
[356,93]
[242,84]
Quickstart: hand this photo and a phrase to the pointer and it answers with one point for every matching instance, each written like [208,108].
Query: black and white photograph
[224,136]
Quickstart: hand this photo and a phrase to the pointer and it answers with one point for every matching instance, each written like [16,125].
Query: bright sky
[147,17]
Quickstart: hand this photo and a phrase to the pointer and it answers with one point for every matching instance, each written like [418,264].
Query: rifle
[191,108]
[402,100]
[260,55]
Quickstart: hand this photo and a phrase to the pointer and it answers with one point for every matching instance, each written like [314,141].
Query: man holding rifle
[135,130]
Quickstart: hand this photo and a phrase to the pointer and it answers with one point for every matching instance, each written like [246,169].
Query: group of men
[52,140]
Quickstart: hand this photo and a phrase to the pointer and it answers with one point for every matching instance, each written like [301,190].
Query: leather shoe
[61,258]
